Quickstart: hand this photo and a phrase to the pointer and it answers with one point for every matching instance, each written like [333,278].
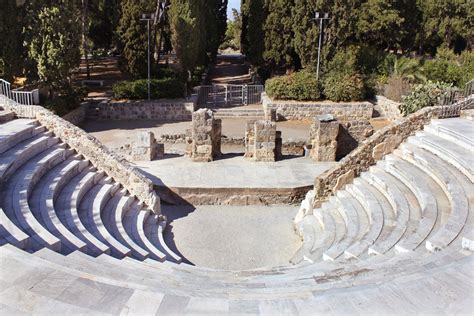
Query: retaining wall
[390,108]
[160,110]
[301,111]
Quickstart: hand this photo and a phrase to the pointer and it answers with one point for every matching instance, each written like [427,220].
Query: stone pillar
[146,148]
[261,141]
[324,132]
[205,142]
[271,115]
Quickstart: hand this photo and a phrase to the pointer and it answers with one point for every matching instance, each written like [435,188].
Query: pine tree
[279,36]
[132,34]
[53,35]
[188,37]
[11,50]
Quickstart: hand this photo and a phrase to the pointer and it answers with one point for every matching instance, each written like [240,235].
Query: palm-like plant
[409,69]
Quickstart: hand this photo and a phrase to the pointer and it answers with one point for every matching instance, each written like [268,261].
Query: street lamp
[148,18]
[320,17]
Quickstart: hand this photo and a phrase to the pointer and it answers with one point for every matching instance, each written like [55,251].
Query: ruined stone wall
[206,133]
[262,141]
[324,132]
[93,150]
[78,115]
[161,110]
[294,110]
[368,153]
[351,135]
[144,148]
[391,109]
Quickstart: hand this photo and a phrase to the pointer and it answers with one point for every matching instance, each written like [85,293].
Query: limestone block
[261,141]
[386,146]
[324,143]
[204,141]
[343,180]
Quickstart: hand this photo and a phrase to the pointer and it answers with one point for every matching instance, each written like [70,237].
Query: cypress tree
[11,50]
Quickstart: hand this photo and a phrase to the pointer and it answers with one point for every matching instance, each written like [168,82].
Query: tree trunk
[85,46]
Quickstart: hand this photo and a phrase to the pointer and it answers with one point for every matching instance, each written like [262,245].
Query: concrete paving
[232,237]
[233,172]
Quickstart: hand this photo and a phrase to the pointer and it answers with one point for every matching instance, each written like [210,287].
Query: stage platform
[233,180]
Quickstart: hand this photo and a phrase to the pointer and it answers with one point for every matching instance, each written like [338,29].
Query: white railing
[20,97]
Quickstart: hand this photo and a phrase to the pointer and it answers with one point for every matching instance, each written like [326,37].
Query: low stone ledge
[160,110]
[390,108]
[78,115]
[306,111]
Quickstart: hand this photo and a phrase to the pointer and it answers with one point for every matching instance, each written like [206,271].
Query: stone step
[69,202]
[19,188]
[458,156]
[456,130]
[311,232]
[349,213]
[387,186]
[6,116]
[360,191]
[153,230]
[133,222]
[417,182]
[115,226]
[90,210]
[17,131]
[12,159]
[42,202]
[440,171]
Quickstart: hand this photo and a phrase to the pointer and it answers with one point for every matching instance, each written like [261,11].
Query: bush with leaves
[344,87]
[424,95]
[168,88]
[67,100]
[298,86]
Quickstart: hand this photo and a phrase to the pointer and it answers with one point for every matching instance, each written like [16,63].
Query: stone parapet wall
[93,150]
[391,109]
[370,151]
[306,111]
[78,115]
[160,110]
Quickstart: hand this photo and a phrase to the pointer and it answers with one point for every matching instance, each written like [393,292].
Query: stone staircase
[246,112]
[54,198]
[418,199]
[399,239]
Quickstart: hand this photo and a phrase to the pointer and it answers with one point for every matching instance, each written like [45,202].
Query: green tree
[443,21]
[11,50]
[254,13]
[379,24]
[279,36]
[216,24]
[53,42]
[132,34]
[186,19]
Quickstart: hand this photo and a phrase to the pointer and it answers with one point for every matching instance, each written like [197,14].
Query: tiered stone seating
[72,240]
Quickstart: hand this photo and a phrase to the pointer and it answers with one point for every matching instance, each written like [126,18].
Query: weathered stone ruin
[204,139]
[324,132]
[262,141]
[145,148]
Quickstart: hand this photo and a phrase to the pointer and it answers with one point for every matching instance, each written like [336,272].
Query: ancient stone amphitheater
[81,231]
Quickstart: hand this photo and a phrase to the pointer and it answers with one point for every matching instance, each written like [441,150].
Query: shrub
[344,87]
[396,87]
[444,71]
[168,88]
[299,86]
[68,100]
[424,95]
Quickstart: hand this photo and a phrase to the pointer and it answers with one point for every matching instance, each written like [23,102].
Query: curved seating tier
[72,240]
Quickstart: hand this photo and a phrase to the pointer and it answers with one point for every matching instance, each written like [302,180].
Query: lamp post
[148,18]
[320,17]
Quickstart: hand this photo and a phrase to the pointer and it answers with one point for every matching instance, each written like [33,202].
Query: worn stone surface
[292,110]
[324,142]
[391,109]
[144,148]
[162,110]
[204,139]
[262,143]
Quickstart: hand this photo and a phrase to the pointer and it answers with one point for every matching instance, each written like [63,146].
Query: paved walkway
[233,237]
[233,172]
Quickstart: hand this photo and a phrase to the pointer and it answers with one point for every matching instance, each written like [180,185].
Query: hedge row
[167,88]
